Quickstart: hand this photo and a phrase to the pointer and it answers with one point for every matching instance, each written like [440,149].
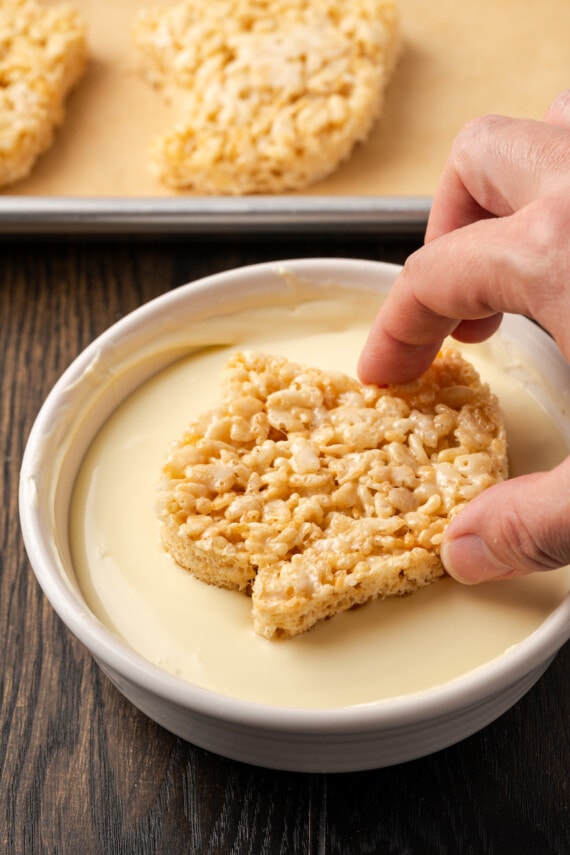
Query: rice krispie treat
[272,94]
[315,493]
[42,55]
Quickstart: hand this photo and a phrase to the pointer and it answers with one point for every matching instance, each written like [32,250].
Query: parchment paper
[460,58]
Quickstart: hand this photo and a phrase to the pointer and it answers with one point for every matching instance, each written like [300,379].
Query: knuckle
[546,224]
[559,110]
[479,131]
[525,548]
[540,267]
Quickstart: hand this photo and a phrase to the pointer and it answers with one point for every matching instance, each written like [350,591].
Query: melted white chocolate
[204,634]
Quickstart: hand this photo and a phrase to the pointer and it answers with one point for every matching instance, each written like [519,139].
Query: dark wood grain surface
[83,772]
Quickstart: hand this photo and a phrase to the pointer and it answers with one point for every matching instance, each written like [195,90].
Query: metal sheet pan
[478,56]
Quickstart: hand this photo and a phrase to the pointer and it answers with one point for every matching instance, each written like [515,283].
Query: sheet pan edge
[37,215]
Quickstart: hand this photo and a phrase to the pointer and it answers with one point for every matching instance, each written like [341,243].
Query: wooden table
[82,771]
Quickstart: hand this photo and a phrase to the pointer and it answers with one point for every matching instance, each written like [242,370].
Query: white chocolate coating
[204,634]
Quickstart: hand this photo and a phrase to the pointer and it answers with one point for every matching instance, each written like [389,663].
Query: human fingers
[497,165]
[461,283]
[513,528]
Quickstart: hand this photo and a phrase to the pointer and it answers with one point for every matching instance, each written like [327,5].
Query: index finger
[449,287]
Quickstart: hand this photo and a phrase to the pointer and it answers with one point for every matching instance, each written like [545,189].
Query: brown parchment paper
[460,58]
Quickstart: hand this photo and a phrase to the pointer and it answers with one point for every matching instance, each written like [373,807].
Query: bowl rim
[467,690]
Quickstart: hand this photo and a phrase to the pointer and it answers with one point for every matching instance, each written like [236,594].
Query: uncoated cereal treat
[43,53]
[272,94]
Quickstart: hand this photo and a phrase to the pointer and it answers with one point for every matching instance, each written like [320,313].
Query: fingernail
[469,560]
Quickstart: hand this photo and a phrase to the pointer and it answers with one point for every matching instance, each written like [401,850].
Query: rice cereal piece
[316,493]
[43,53]
[272,94]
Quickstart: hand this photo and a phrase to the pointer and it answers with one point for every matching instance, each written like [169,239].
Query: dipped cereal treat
[314,493]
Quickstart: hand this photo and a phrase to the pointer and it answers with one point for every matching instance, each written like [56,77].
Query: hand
[497,240]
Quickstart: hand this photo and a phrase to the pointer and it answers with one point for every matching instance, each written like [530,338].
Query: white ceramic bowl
[334,740]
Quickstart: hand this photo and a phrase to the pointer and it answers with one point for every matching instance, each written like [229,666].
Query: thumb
[513,528]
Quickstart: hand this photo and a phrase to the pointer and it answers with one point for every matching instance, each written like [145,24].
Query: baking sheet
[458,60]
